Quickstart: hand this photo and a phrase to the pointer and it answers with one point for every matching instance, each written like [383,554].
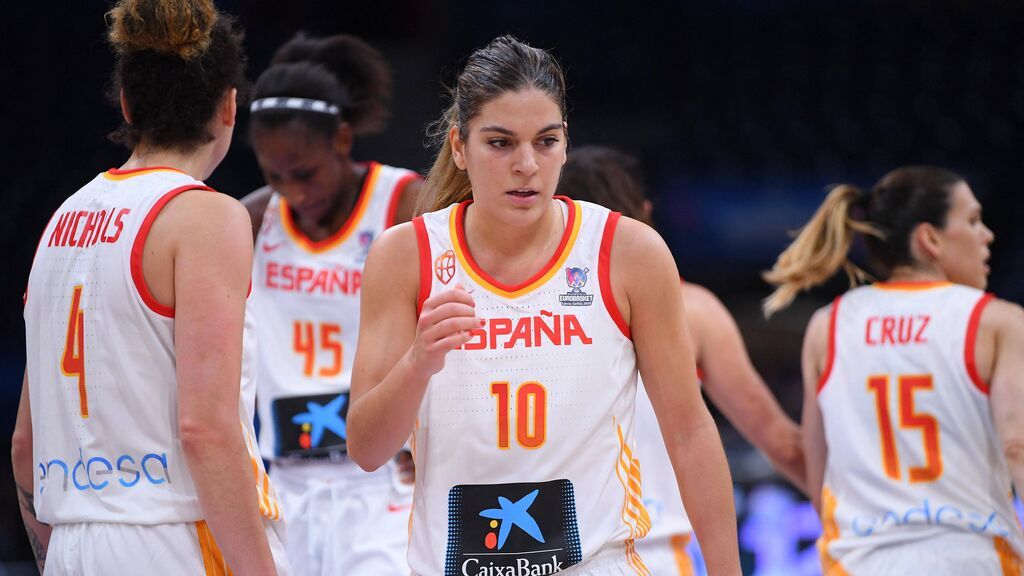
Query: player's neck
[513,253]
[195,163]
[916,274]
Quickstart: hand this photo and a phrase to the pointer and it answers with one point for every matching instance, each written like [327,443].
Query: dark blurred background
[742,112]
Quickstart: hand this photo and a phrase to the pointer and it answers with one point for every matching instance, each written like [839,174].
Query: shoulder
[819,326]
[204,219]
[256,203]
[999,315]
[393,262]
[636,244]
[704,311]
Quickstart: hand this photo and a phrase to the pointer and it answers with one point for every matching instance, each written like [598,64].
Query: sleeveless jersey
[524,441]
[660,489]
[912,452]
[101,364]
[306,301]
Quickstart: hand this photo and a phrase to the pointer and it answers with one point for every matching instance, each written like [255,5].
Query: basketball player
[134,441]
[313,225]
[611,178]
[511,353]
[914,394]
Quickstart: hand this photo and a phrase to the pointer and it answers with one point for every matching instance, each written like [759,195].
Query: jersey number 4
[72,362]
[907,387]
[531,413]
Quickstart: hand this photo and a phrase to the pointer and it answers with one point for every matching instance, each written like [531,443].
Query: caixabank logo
[525,529]
[311,426]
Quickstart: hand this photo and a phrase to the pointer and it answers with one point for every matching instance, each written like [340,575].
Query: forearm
[38,533]
[223,476]
[381,419]
[706,488]
[783,446]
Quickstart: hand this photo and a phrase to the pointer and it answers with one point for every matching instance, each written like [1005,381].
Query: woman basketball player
[611,178]
[313,225]
[134,440]
[914,394]
[510,354]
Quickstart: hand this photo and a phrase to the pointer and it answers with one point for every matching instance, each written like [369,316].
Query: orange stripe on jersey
[684,564]
[604,274]
[1008,559]
[634,514]
[829,532]
[972,338]
[458,236]
[830,359]
[911,286]
[336,239]
[135,261]
[117,174]
[634,560]
[213,560]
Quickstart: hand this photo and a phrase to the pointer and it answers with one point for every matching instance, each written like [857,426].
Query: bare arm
[211,271]
[256,203]
[398,353]
[1006,322]
[813,359]
[736,388]
[21,459]
[646,286]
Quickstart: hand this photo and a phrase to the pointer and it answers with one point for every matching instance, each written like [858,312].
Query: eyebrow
[507,132]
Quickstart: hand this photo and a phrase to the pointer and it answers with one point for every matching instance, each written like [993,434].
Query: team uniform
[341,520]
[664,549]
[915,480]
[524,441]
[112,477]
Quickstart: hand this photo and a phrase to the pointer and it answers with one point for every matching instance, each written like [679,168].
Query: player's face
[302,166]
[513,153]
[965,240]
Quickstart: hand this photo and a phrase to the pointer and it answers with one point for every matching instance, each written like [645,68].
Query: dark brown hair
[901,200]
[504,65]
[175,61]
[342,70]
[608,177]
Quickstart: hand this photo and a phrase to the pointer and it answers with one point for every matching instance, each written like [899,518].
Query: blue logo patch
[576,279]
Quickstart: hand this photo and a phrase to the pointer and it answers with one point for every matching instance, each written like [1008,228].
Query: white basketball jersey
[660,488]
[524,442]
[101,364]
[306,301]
[912,452]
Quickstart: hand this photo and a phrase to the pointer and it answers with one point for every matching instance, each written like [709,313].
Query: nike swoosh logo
[398,507]
[267,248]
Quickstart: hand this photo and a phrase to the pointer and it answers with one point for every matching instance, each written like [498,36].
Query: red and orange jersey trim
[214,563]
[139,244]
[458,235]
[831,358]
[343,233]
[912,286]
[971,340]
[423,247]
[399,192]
[118,174]
[270,506]
[829,533]
[604,274]
[634,514]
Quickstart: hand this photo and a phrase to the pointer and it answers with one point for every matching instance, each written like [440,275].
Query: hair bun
[179,27]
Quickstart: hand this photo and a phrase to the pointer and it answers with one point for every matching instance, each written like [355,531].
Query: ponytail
[446,184]
[819,250]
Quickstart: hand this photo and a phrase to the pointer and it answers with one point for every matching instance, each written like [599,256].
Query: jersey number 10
[531,413]
[908,385]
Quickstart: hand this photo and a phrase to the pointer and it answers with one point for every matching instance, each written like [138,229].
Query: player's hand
[444,325]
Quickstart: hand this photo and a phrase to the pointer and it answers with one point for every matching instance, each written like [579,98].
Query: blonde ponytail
[819,250]
[446,184]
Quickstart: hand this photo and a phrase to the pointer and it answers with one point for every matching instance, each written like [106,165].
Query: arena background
[742,111]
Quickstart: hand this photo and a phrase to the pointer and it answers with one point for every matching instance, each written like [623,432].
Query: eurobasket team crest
[576,279]
[444,267]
